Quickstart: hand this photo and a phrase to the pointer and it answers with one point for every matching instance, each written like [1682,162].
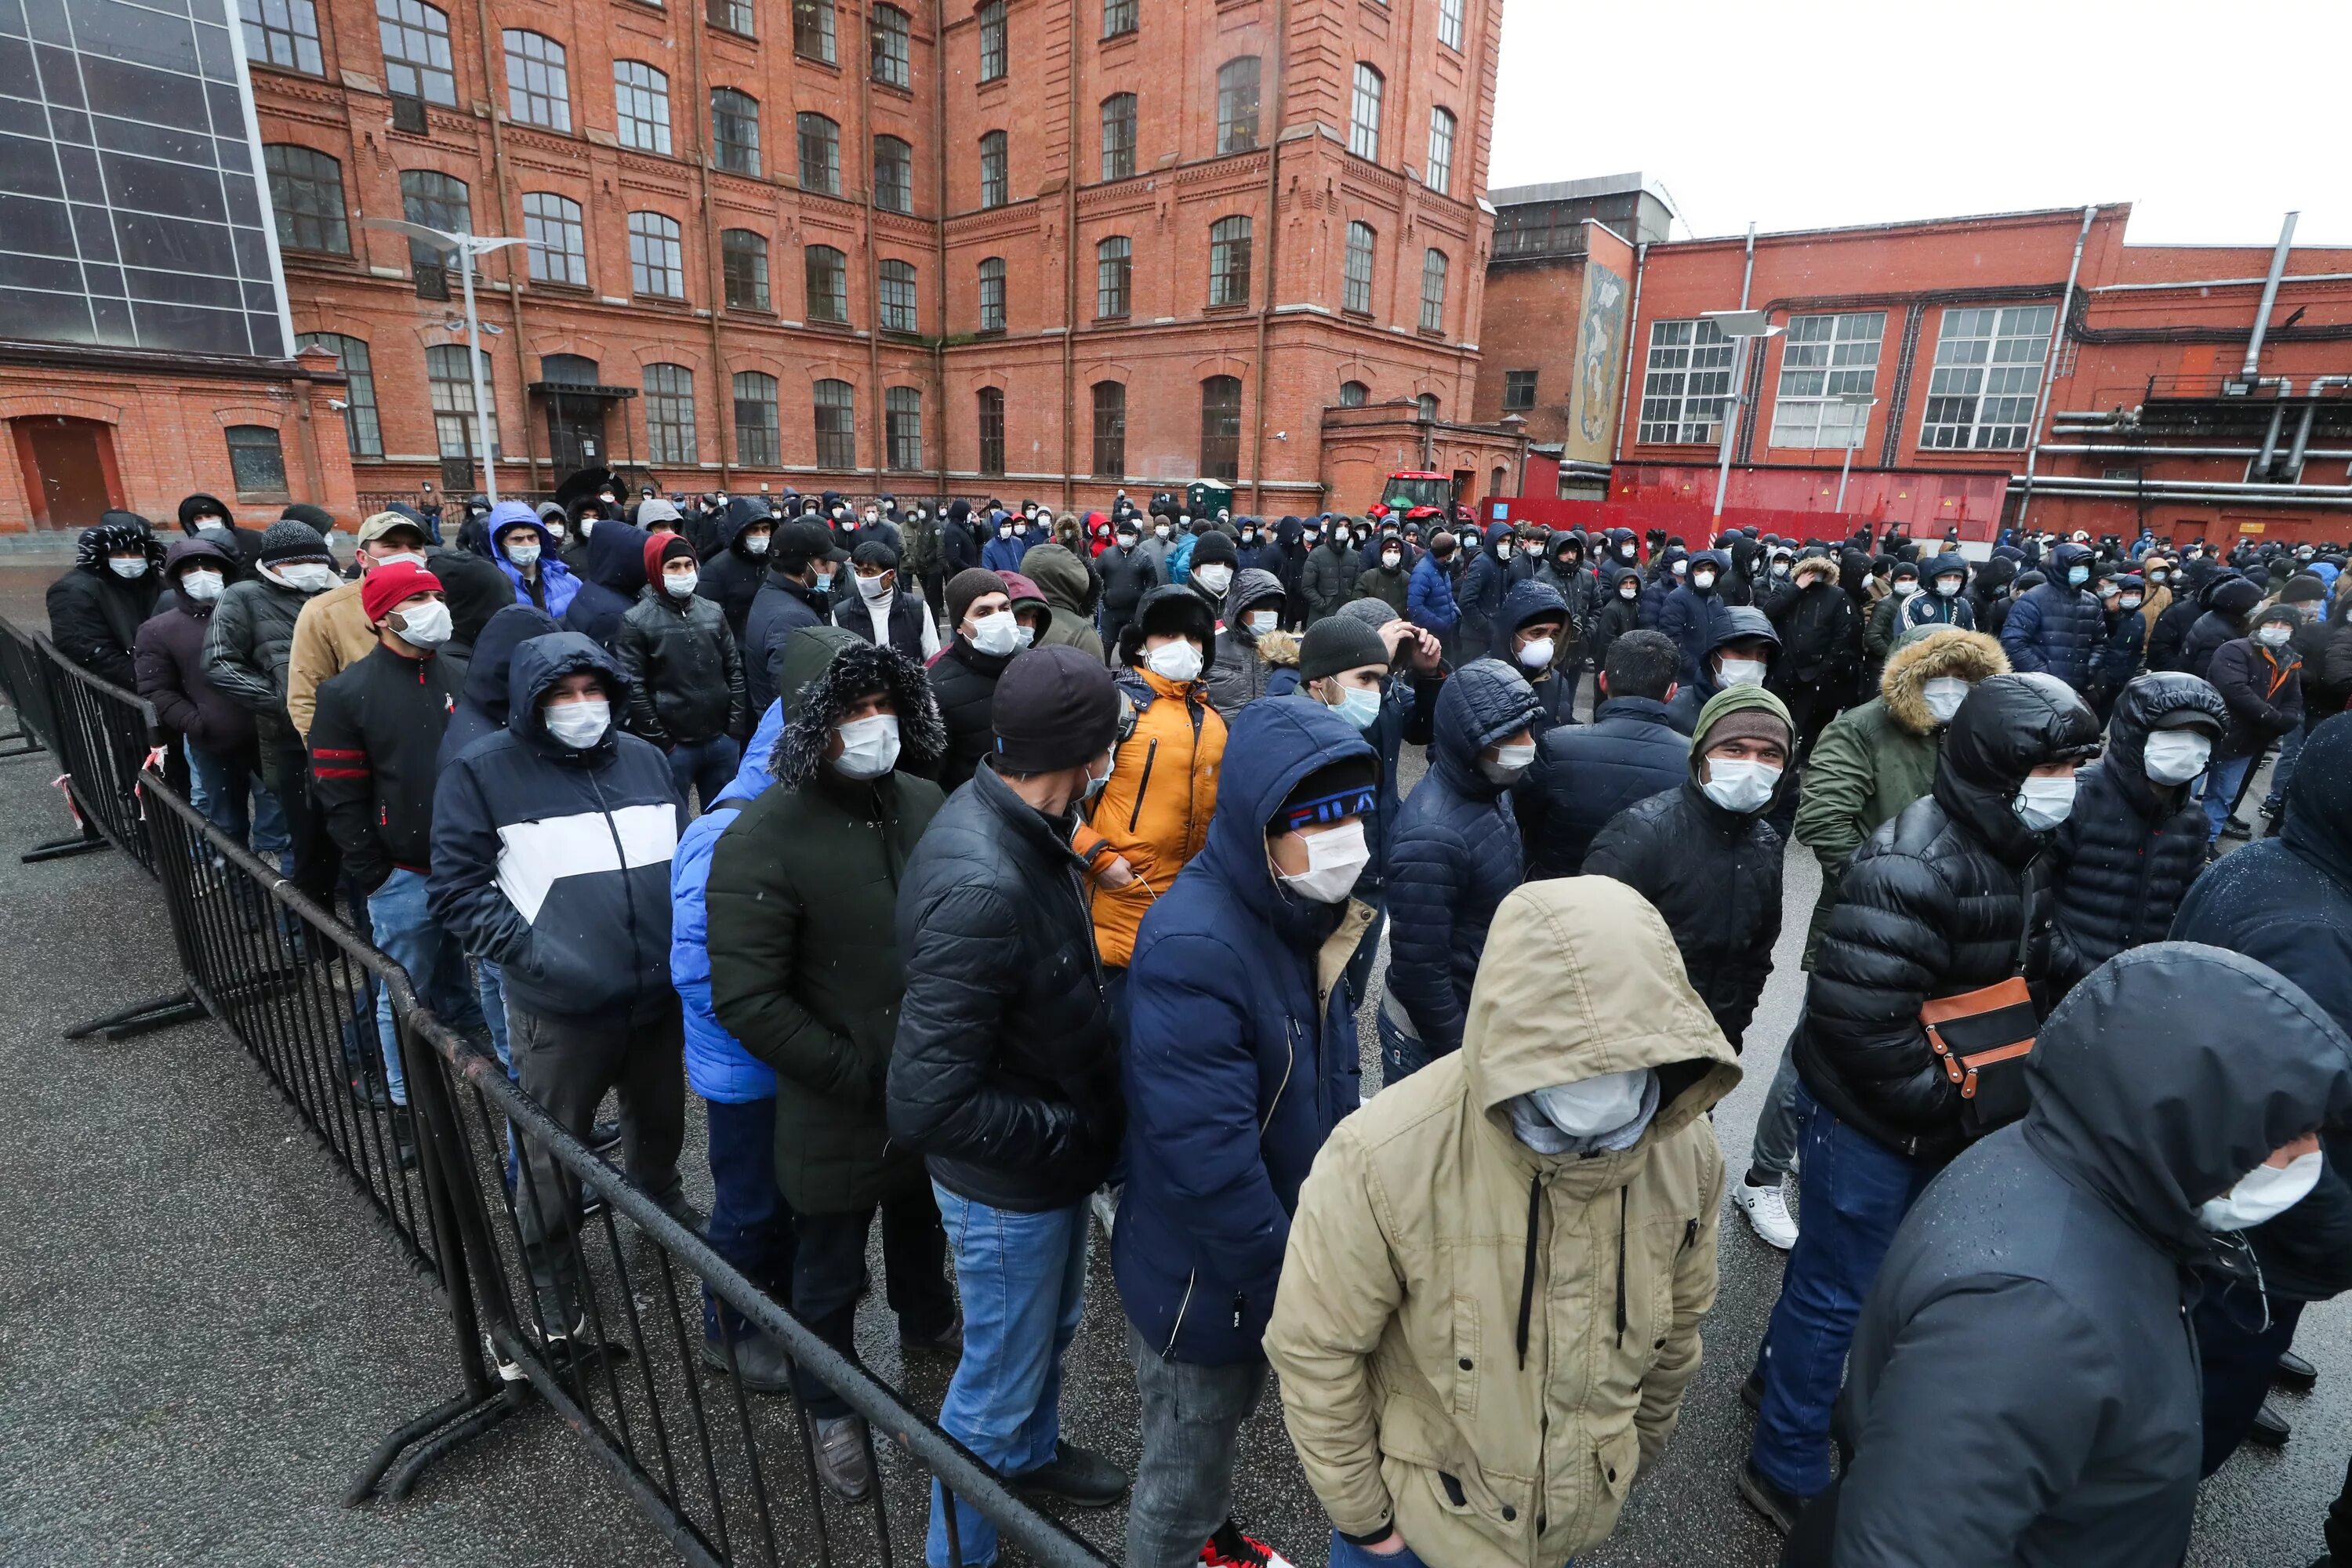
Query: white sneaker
[1767,1209]
[1105,1203]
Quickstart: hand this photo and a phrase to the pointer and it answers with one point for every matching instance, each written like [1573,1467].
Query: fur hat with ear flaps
[857,672]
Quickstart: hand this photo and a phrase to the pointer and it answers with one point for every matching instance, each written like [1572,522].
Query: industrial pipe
[2270,441]
[2121,448]
[2339,503]
[2253,366]
[2047,386]
[2229,488]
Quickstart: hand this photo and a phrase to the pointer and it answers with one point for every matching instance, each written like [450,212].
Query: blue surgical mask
[1360,706]
[2078,574]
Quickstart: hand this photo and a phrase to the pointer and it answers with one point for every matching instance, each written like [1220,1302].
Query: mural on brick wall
[1601,354]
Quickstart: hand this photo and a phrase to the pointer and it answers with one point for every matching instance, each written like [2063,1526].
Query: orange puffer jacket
[1154,813]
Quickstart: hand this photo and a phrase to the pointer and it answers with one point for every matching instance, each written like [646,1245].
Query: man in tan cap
[332,633]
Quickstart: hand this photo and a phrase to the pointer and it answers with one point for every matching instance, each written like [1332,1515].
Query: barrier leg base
[431,1435]
[60,849]
[160,1013]
[18,743]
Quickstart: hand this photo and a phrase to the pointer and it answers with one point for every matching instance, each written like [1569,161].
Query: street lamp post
[1864,402]
[1739,326]
[468,246]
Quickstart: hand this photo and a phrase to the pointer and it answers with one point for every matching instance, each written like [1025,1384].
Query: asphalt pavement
[203,1331]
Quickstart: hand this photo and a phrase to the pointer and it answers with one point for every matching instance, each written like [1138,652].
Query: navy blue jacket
[1585,774]
[1408,712]
[482,706]
[731,575]
[1555,687]
[1429,598]
[616,576]
[554,863]
[1241,1057]
[780,608]
[1484,583]
[2056,628]
[1692,619]
[1455,854]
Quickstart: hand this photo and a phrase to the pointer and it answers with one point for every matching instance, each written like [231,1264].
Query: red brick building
[1934,351]
[870,246]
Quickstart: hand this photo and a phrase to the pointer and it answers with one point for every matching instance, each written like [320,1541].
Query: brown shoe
[841,1457]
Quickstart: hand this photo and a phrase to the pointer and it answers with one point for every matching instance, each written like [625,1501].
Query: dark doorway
[575,421]
[68,466]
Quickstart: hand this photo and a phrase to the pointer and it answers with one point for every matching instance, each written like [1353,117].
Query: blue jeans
[1346,1554]
[405,933]
[2282,774]
[219,783]
[2222,777]
[750,1224]
[1854,1191]
[1401,1055]
[1022,1278]
[707,766]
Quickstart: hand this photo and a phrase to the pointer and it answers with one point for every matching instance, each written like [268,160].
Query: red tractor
[1411,495]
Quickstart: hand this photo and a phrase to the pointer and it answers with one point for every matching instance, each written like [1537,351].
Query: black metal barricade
[102,734]
[25,686]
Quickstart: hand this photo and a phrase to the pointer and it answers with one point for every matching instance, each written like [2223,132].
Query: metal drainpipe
[1627,403]
[1273,258]
[2261,469]
[2050,361]
[874,268]
[514,283]
[1738,388]
[711,293]
[2252,367]
[939,233]
[1070,281]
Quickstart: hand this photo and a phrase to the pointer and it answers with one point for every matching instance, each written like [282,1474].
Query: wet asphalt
[205,1331]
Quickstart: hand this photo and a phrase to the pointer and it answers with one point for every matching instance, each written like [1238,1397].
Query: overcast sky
[2212,118]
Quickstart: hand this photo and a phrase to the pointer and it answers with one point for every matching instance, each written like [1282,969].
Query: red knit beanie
[388,585]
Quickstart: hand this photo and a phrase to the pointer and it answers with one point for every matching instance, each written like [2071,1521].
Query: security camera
[336,404]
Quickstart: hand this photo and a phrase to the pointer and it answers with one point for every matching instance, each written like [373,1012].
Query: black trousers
[829,1273]
[2238,1356]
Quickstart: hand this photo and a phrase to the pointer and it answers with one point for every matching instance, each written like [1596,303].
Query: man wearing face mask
[333,631]
[2117,657]
[1240,1058]
[964,678]
[2056,626]
[805,972]
[1004,1074]
[1331,568]
[2025,1342]
[1452,858]
[1693,613]
[1531,636]
[201,513]
[1885,623]
[1490,1305]
[1743,654]
[684,674]
[2123,860]
[1128,574]
[97,608]
[527,553]
[1250,641]
[1071,590]
[1941,600]
[1707,859]
[1429,595]
[216,733]
[2261,678]
[1815,618]
[731,573]
[551,857]
[1216,561]
[1944,901]
[375,743]
[1006,543]
[803,566]
[1618,611]
[1385,578]
[876,611]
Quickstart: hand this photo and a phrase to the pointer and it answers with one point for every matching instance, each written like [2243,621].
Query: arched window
[1439,175]
[894,175]
[820,141]
[1426,406]
[452,389]
[559,243]
[1220,428]
[1354,395]
[435,200]
[995,170]
[538,88]
[656,261]
[1114,273]
[1364,113]
[1118,136]
[417,59]
[827,272]
[995,51]
[1229,261]
[734,131]
[669,413]
[306,192]
[361,430]
[896,282]
[1432,292]
[1111,429]
[757,443]
[641,103]
[836,424]
[1356,279]
[992,294]
[743,269]
[1237,104]
[992,430]
[902,426]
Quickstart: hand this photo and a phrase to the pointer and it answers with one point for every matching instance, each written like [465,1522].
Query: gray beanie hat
[1370,612]
[1339,642]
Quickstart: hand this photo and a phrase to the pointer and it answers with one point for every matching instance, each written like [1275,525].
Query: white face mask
[1702,579]
[1335,859]
[1004,530]
[522,554]
[1538,654]
[755,544]
[680,584]
[2043,803]
[1360,706]
[1628,591]
[202,586]
[1739,785]
[869,747]
[128,569]
[1595,1106]
[1391,559]
[304,576]
[424,625]
[555,530]
[1177,661]
[871,518]
[414,557]
[2078,574]
[1741,672]
[1947,586]
[2272,636]
[1097,782]
[1906,586]
[1509,762]
[2175,756]
[873,588]
[1126,541]
[2263,1193]
[2130,601]
[1216,579]
[996,634]
[1262,621]
[580,725]
[1943,694]
[587,527]
[2158,575]
[1025,636]
[1158,531]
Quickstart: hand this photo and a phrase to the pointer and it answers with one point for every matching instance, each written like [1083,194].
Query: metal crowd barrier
[726,1477]
[22,682]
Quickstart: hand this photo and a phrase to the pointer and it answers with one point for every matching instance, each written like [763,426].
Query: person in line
[1706,858]
[2123,860]
[1128,574]
[964,678]
[612,580]
[1486,578]
[215,734]
[1429,594]
[1071,588]
[1943,900]
[1815,674]
[1745,652]
[1490,1304]
[1332,568]
[2057,628]
[2025,1342]
[684,674]
[1005,1075]
[803,565]
[1003,553]
[2117,657]
[1452,857]
[200,514]
[877,612]
[1884,627]
[1531,636]
[2229,605]
[731,574]
[2260,675]
[804,972]
[333,631]
[1693,615]
[1668,569]
[376,742]
[1240,1058]
[1618,610]
[1565,574]
[114,583]
[2324,689]
[1384,577]
[550,851]
[1584,774]
[1250,642]
[1942,600]
[532,559]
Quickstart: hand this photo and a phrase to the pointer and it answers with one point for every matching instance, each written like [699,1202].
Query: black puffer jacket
[780,608]
[2263,689]
[730,574]
[963,680]
[686,677]
[2057,628]
[248,645]
[2121,862]
[2227,604]
[1613,614]
[1936,904]
[1127,576]
[95,615]
[1005,1072]
[1555,683]
[1819,644]
[243,544]
[1586,773]
[1455,855]
[170,657]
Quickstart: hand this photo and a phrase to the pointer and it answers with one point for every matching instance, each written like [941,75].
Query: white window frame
[1983,394]
[1449,23]
[1688,369]
[1356,268]
[1825,360]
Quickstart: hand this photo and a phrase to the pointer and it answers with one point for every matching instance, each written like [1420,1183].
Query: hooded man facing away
[2026,1343]
[614,576]
[1489,1309]
[1070,586]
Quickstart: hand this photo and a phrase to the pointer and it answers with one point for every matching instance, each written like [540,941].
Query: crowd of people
[1010,877]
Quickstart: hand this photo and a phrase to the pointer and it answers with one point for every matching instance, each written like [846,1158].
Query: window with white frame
[557,239]
[1356,279]
[1364,113]
[641,103]
[656,265]
[539,87]
[1823,361]
[1687,384]
[669,413]
[1980,397]
[1439,175]
[1449,23]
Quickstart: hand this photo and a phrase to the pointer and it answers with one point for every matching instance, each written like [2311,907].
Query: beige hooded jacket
[1480,1344]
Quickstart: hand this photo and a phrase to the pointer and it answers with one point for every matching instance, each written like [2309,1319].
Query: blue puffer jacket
[1555,685]
[1004,555]
[556,583]
[1455,854]
[1408,712]
[1585,775]
[616,576]
[1658,582]
[1484,583]
[1692,618]
[2054,628]
[1241,1057]
[717,1067]
[554,863]
[1429,598]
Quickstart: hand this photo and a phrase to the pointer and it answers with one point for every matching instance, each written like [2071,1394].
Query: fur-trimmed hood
[1930,653]
[1280,648]
[853,672]
[1821,561]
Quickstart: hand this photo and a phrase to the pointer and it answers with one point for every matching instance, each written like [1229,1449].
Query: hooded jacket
[1938,902]
[1385,583]
[482,702]
[1577,585]
[1485,581]
[168,660]
[376,744]
[1237,668]
[1714,874]
[1329,576]
[2263,689]
[2026,1341]
[1482,1346]
[1001,553]
[556,585]
[2288,902]
[1068,584]
[2055,628]
[617,576]
[1660,580]
[2123,860]
[2229,605]
[95,615]
[1554,684]
[1819,643]
[1928,608]
[1694,617]
[731,575]
[243,544]
[1613,614]
[553,863]
[1429,596]
[248,644]
[1733,623]
[1452,857]
[2191,587]
[804,967]
[1241,1057]
[684,675]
